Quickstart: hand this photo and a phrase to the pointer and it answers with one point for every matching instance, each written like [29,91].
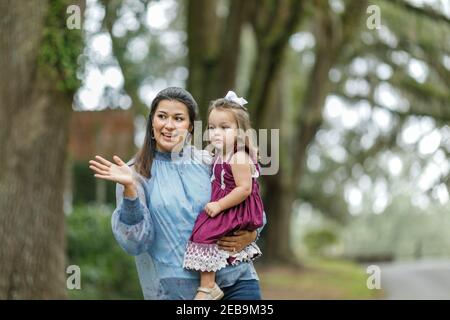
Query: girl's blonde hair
[242,117]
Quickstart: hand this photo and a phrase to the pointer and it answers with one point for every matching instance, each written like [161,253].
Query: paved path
[416,280]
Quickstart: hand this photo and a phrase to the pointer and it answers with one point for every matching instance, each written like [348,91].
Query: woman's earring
[152,136]
[187,139]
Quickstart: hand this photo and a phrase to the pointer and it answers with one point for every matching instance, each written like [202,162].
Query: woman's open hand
[118,172]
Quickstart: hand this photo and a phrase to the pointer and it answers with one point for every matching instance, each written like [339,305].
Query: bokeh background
[360,91]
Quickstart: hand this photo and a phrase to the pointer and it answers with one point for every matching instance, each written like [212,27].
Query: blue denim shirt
[155,226]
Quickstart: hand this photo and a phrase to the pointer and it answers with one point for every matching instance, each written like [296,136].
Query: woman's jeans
[185,289]
[243,290]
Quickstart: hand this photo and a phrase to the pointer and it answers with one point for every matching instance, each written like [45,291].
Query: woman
[159,195]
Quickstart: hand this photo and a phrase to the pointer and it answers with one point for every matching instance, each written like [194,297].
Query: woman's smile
[168,136]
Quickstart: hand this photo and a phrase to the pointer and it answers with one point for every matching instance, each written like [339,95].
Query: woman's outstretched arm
[132,222]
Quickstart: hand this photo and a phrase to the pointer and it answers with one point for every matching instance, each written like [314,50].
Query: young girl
[235,200]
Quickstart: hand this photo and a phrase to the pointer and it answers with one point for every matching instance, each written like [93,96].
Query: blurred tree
[408,36]
[319,240]
[214,43]
[133,73]
[38,59]
[158,64]
[331,32]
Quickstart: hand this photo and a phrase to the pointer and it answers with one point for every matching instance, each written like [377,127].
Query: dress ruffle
[208,257]
[249,253]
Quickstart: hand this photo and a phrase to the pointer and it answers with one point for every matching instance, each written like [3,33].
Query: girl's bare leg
[207,280]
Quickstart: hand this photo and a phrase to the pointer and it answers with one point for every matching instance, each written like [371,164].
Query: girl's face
[170,124]
[222,129]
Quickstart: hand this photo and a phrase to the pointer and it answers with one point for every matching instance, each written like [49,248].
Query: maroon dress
[202,252]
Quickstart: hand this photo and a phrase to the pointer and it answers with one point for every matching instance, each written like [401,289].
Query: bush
[107,272]
[84,186]
[319,240]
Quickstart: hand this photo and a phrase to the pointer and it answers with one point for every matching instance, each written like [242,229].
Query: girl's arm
[241,169]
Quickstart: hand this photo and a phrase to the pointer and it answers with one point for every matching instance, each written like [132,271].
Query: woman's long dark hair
[144,157]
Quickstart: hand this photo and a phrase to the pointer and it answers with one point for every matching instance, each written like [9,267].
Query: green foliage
[61,47]
[84,186]
[107,272]
[318,240]
[401,232]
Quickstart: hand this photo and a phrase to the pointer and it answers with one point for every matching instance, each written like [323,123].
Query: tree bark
[277,248]
[273,22]
[34,117]
[214,46]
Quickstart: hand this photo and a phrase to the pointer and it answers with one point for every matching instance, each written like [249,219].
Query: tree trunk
[273,22]
[35,118]
[214,46]
[278,206]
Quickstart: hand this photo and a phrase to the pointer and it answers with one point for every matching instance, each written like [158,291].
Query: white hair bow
[231,95]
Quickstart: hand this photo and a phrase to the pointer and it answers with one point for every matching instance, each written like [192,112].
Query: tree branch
[425,11]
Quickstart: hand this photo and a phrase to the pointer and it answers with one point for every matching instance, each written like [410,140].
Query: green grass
[319,279]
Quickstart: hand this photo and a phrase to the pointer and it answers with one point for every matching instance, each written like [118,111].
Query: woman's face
[222,129]
[170,124]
